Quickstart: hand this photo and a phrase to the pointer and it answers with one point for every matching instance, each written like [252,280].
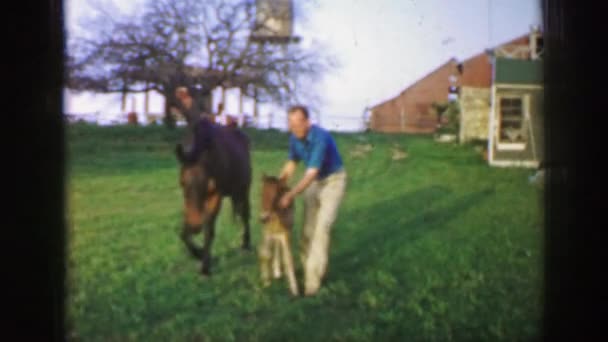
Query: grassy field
[433,247]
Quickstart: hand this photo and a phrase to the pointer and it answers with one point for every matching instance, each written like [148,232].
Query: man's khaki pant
[321,202]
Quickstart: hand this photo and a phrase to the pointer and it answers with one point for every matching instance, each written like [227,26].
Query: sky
[383,45]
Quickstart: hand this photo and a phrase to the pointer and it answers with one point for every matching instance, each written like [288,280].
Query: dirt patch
[361,150]
[398,153]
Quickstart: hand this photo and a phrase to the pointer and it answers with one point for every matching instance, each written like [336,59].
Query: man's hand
[288,170]
[308,178]
[285,200]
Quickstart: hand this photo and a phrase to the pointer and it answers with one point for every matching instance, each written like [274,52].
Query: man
[323,186]
[190,109]
[197,121]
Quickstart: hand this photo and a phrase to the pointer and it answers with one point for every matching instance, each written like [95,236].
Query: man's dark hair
[301,108]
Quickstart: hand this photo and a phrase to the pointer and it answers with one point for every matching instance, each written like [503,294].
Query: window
[511,123]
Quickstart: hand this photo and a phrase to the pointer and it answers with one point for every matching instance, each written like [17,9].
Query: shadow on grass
[385,231]
[356,252]
[369,235]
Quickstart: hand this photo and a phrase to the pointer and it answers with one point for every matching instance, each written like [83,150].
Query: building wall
[414,104]
[474,113]
[416,101]
[476,72]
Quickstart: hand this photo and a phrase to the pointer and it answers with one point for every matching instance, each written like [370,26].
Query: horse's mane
[202,139]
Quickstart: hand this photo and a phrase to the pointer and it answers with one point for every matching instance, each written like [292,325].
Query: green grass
[434,247]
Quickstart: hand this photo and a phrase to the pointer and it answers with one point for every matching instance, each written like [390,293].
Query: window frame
[501,145]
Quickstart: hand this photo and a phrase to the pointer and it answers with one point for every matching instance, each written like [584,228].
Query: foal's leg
[211,209]
[288,263]
[276,257]
[265,255]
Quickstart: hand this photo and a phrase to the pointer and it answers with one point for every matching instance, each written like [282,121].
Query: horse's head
[196,186]
[272,190]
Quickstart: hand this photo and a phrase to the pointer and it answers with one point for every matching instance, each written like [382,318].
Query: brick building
[412,112]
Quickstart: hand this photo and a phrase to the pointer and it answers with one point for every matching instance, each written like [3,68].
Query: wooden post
[255,106]
[147,101]
[123,104]
[402,120]
[223,95]
[222,114]
[270,119]
[491,129]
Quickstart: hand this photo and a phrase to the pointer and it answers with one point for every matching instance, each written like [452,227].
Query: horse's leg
[244,211]
[212,208]
[186,235]
[193,223]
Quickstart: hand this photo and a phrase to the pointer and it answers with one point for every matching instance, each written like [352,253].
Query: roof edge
[451,60]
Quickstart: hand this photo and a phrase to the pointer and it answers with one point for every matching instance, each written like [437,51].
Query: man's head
[181,93]
[299,123]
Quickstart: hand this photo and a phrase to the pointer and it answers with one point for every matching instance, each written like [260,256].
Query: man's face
[298,124]
[180,94]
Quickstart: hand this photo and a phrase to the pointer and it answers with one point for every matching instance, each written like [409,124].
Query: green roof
[518,71]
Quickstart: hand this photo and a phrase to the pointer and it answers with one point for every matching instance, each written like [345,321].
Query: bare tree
[193,43]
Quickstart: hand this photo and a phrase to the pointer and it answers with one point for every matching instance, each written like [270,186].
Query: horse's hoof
[205,273]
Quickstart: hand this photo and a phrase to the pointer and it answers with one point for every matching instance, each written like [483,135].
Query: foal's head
[273,189]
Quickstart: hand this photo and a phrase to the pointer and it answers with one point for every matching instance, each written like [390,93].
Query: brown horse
[276,241]
[218,165]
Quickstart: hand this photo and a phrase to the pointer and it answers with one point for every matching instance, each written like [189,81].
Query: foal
[278,225]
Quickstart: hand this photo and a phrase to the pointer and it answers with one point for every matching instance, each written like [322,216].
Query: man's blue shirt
[317,150]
